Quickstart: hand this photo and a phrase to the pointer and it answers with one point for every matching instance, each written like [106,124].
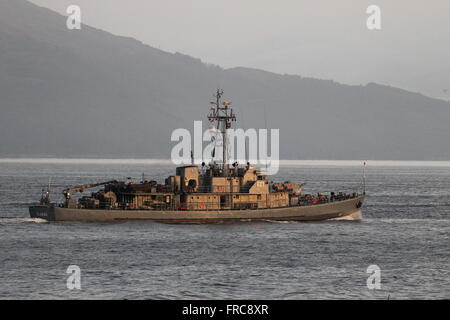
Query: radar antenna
[222,115]
[45,197]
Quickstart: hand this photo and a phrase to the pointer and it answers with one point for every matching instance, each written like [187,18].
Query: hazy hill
[90,93]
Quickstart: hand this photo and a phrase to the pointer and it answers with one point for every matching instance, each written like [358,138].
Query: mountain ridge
[91,93]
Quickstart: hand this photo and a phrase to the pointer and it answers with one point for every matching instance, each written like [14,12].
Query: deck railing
[304,200]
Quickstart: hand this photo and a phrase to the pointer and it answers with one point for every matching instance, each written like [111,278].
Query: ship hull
[317,212]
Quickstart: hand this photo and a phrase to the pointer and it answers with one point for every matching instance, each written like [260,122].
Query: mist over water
[405,230]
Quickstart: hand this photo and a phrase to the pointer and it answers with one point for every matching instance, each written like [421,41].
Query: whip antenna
[364,178]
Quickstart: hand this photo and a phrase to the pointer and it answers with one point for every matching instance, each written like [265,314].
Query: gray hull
[331,210]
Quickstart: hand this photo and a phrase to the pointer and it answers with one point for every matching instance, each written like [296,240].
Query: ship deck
[316,212]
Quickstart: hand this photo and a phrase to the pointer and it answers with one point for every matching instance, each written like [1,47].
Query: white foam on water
[281,221]
[339,163]
[34,220]
[355,216]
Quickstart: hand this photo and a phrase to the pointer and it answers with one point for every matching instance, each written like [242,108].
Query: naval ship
[211,193]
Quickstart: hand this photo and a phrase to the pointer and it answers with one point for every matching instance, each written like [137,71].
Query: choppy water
[405,231]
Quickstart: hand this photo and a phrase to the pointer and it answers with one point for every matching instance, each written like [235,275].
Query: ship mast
[222,114]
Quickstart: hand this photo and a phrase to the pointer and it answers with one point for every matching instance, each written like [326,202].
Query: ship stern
[42,212]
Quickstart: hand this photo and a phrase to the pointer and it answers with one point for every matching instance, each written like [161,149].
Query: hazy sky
[325,39]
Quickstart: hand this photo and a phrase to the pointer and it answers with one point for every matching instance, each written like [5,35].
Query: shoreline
[284,163]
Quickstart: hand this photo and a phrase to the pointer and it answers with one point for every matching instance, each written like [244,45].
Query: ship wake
[4,220]
[355,216]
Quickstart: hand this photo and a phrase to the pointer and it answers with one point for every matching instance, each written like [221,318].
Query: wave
[281,221]
[406,205]
[355,216]
[21,219]
[19,204]
[407,220]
